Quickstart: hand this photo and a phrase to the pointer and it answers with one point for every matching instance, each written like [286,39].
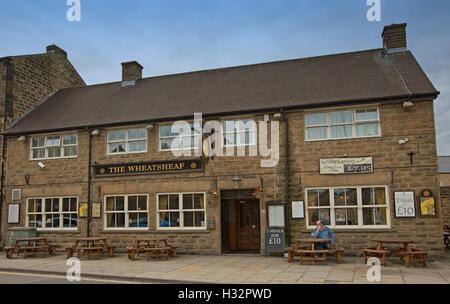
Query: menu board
[405,206]
[13,213]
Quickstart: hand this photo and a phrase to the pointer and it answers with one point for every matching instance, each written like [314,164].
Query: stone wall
[392,168]
[445,197]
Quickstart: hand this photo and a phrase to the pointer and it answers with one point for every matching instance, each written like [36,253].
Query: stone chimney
[131,72]
[54,49]
[394,38]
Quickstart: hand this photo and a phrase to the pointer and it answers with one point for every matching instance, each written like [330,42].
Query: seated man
[323,232]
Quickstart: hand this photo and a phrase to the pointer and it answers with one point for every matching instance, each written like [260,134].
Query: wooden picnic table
[91,246]
[306,254]
[153,247]
[30,246]
[411,255]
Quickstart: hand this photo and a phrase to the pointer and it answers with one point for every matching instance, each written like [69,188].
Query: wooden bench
[382,254]
[417,255]
[131,253]
[159,252]
[90,247]
[337,252]
[30,247]
[302,249]
[310,255]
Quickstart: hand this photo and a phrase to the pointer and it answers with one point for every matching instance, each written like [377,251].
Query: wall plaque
[13,214]
[346,165]
[404,203]
[298,210]
[170,166]
[96,210]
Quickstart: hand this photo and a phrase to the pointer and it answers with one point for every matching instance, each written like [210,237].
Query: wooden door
[248,225]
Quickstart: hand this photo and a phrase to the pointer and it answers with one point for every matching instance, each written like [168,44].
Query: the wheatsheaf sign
[170,166]
[346,165]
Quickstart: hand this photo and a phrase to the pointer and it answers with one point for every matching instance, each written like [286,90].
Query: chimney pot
[394,37]
[131,72]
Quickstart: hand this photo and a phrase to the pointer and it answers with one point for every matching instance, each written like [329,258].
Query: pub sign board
[275,240]
[361,165]
[154,167]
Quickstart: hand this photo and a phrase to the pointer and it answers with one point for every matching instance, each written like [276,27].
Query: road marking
[63,277]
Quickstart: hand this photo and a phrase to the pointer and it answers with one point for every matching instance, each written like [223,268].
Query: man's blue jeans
[321,246]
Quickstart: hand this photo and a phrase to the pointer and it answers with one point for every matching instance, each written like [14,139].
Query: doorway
[240,222]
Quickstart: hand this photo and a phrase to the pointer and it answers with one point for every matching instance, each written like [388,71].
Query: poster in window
[427,203]
[324,215]
[404,203]
[276,215]
[340,216]
[84,210]
[13,213]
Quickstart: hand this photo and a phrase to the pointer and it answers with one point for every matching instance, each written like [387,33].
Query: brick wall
[391,161]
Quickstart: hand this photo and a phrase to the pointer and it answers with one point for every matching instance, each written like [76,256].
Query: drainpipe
[89,183]
[286,211]
[7,62]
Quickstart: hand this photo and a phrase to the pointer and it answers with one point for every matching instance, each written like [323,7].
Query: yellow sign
[84,210]
[427,206]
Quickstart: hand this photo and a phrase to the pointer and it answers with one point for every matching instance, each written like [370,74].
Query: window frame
[126,140]
[44,214]
[193,134]
[354,123]
[126,211]
[237,131]
[359,207]
[181,210]
[45,147]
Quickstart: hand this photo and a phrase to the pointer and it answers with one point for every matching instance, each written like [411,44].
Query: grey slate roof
[355,77]
[444,164]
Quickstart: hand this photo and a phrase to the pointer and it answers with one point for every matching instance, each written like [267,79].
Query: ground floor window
[52,213]
[181,211]
[348,207]
[126,212]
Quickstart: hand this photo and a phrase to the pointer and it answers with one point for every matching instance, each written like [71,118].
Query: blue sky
[168,36]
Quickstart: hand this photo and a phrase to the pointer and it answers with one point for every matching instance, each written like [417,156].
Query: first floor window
[181,210]
[127,141]
[348,206]
[126,212]
[239,132]
[53,213]
[177,139]
[50,147]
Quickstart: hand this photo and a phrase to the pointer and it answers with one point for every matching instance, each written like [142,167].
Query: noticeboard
[405,205]
[275,240]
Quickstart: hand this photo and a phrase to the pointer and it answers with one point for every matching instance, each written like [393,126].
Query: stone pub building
[356,134]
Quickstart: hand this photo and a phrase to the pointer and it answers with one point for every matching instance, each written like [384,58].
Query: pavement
[230,269]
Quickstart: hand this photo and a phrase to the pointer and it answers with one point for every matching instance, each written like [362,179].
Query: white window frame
[181,211]
[181,136]
[354,123]
[126,140]
[126,211]
[238,131]
[46,147]
[359,206]
[61,213]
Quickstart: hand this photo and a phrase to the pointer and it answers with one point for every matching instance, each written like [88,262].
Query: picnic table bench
[90,247]
[30,246]
[411,255]
[158,247]
[305,248]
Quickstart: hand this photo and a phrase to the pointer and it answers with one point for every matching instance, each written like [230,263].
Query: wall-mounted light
[277,115]
[95,132]
[41,165]
[150,126]
[236,180]
[408,104]
[403,141]
[22,138]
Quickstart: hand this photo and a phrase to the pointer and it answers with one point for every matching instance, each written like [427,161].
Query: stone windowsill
[368,230]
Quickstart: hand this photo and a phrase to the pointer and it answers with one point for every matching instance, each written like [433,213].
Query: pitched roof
[444,164]
[353,77]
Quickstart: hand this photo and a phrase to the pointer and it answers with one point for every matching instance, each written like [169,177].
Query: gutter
[286,209]
[89,184]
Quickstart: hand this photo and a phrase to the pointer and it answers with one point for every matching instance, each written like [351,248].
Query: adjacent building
[357,149]
[26,80]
